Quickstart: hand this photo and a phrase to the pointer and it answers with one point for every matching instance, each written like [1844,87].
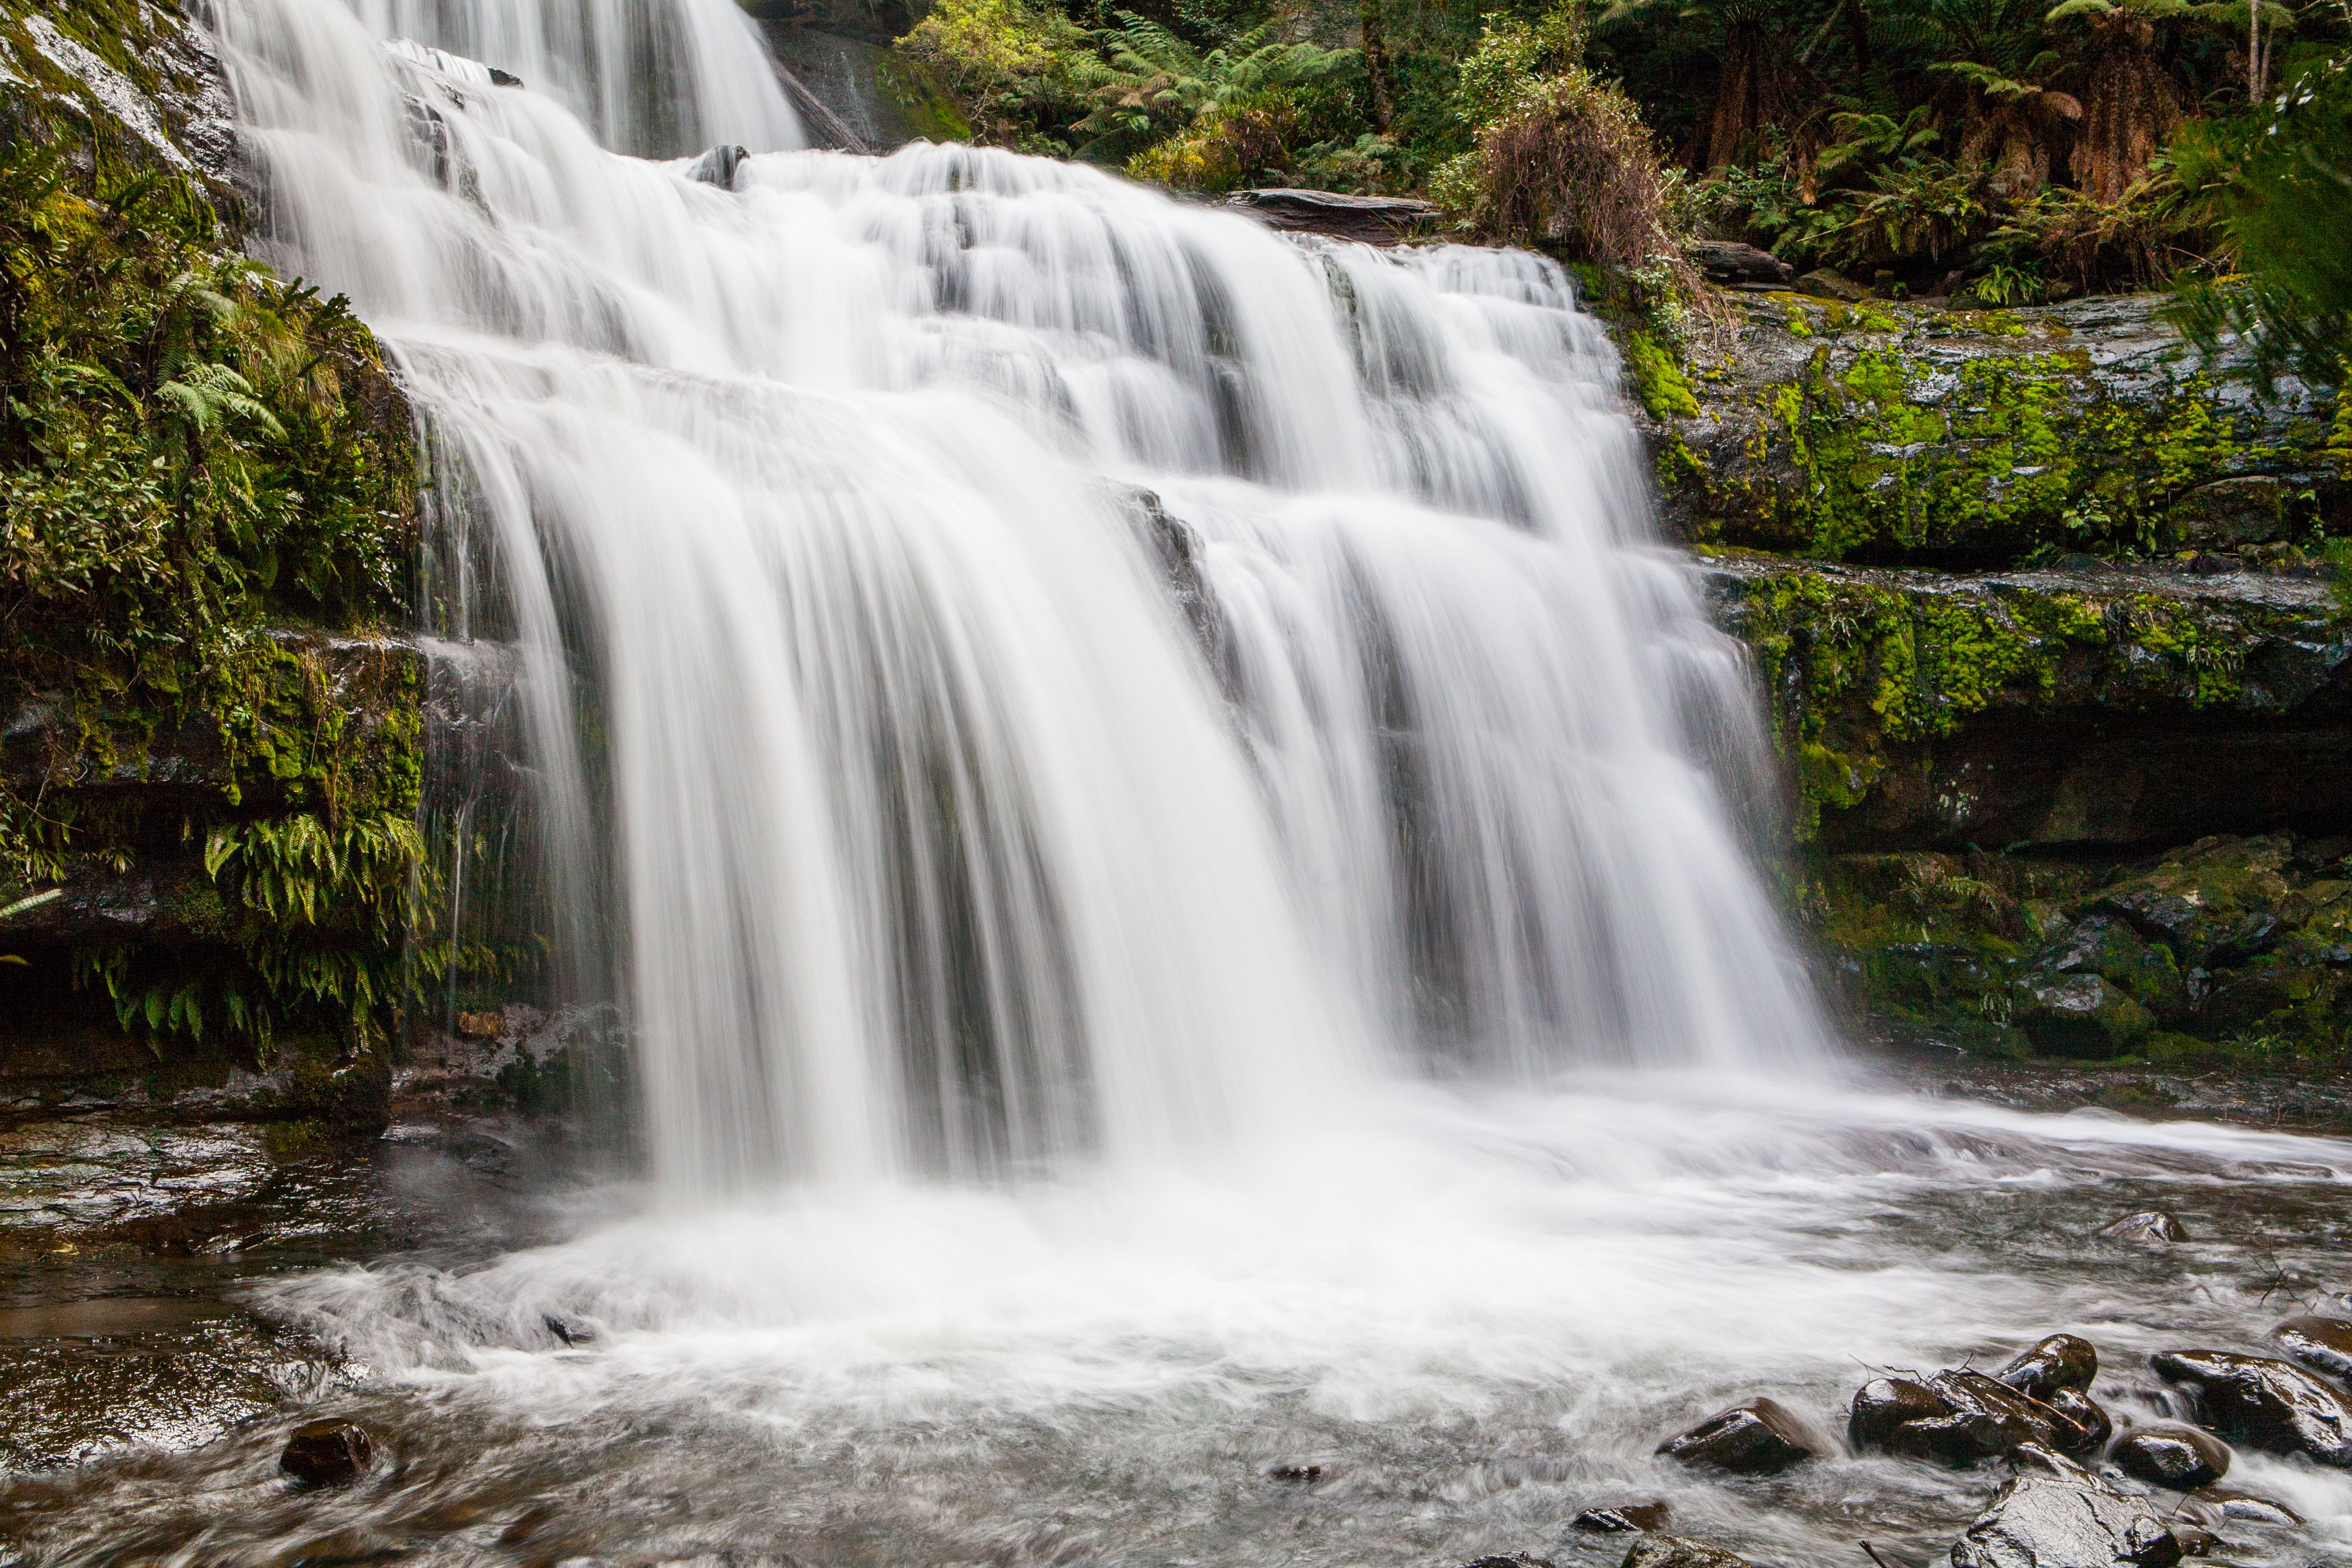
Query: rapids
[1182,866]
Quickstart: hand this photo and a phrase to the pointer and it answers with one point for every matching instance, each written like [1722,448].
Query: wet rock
[2149,1225]
[1757,1437]
[504,78]
[2081,1015]
[2086,1415]
[2322,1343]
[571,1330]
[1674,1552]
[2249,510]
[1510,1560]
[2271,1404]
[2173,1455]
[718,166]
[1307,1475]
[2056,1514]
[327,1453]
[1954,1417]
[2248,1507]
[1823,282]
[2109,947]
[1368,220]
[482,1025]
[2195,1539]
[2060,1361]
[1728,261]
[1623,1519]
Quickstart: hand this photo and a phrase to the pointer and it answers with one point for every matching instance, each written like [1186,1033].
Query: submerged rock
[2060,1361]
[1954,1417]
[2149,1225]
[1623,1519]
[327,1453]
[2173,1455]
[2272,1405]
[1674,1552]
[2056,1514]
[2322,1343]
[1758,1437]
[2247,1508]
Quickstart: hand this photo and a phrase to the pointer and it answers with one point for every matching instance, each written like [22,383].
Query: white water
[927,839]
[936,844]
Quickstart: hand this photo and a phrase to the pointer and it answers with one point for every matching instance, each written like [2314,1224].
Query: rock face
[1757,1437]
[1369,220]
[2060,1361]
[2271,1404]
[2222,938]
[327,1453]
[1954,1417]
[1846,428]
[2171,1455]
[1674,1552]
[2055,1514]
[2322,1343]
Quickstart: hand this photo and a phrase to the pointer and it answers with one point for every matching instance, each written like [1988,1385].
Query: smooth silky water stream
[1097,1043]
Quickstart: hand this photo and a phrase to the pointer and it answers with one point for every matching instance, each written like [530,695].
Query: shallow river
[1477,1313]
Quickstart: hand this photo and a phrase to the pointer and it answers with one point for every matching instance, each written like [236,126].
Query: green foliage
[193,450]
[2279,182]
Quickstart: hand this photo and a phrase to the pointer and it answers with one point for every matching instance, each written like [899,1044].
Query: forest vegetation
[2010,151]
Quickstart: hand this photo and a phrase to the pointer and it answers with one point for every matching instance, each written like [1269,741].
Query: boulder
[2089,1418]
[2247,1508]
[1622,1519]
[1758,1437]
[2056,1514]
[2147,1225]
[2107,946]
[1368,220]
[1728,261]
[2271,1404]
[2322,1343]
[1674,1552]
[327,1453]
[1510,1560]
[2082,1014]
[1954,1417]
[2060,1361]
[2171,1454]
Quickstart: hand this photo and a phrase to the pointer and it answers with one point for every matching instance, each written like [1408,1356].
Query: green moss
[1887,451]
[1658,378]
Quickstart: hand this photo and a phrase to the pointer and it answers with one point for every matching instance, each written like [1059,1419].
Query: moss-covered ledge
[1913,435]
[2105,708]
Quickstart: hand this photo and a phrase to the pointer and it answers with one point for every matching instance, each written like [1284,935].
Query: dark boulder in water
[327,1453]
[2087,1417]
[2272,1405]
[2239,1507]
[2149,1225]
[2322,1343]
[1623,1519]
[2056,1514]
[1674,1552]
[2173,1455]
[1954,1417]
[2060,1361]
[1758,1437]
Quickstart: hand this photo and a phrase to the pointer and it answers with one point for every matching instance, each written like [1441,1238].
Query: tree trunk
[1376,64]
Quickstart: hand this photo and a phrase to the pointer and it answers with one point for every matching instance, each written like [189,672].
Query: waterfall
[830,506]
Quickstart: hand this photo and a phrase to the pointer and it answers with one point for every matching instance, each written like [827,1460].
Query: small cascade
[824,515]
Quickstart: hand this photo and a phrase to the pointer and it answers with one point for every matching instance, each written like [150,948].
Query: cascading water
[1025,680]
[817,500]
